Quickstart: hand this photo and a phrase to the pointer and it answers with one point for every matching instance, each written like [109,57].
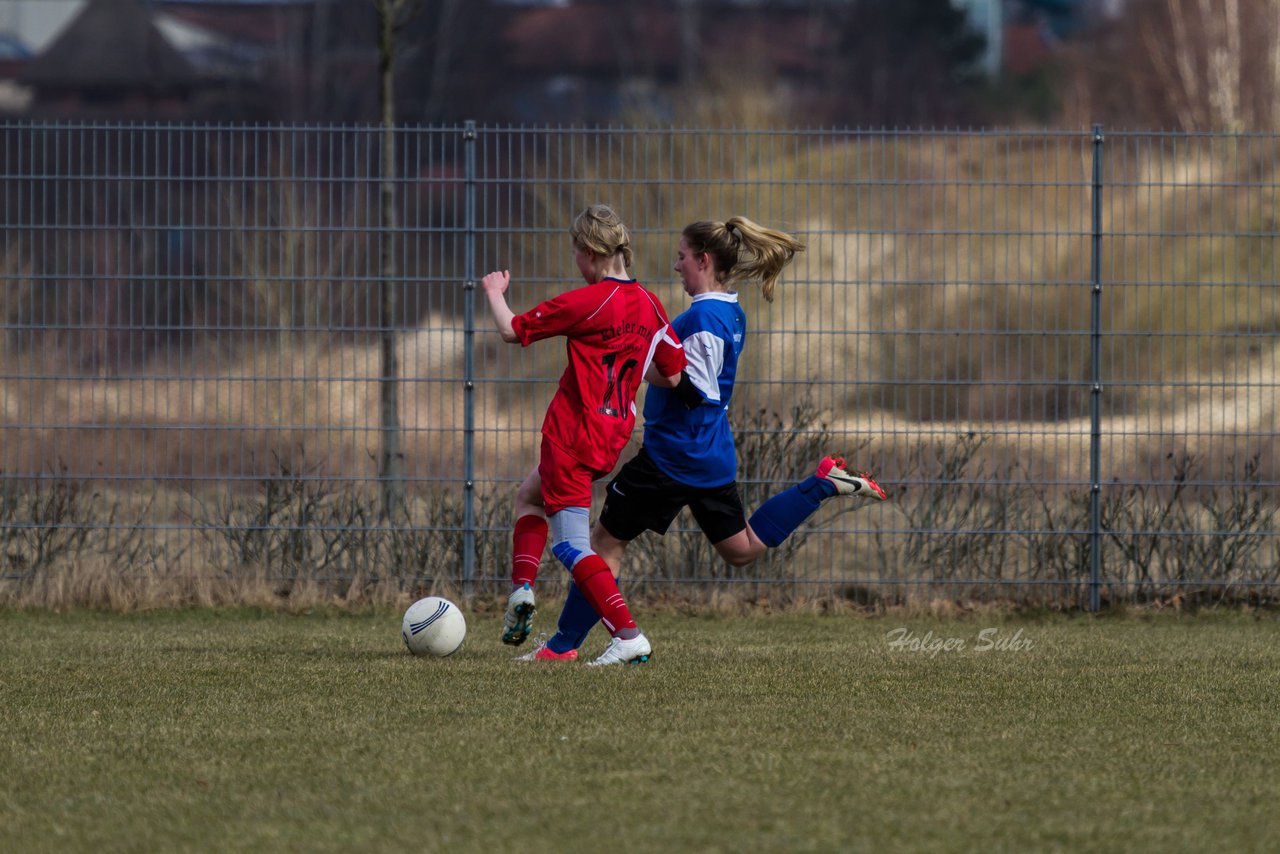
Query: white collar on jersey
[716,295]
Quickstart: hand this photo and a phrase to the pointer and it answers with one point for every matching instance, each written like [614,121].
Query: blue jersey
[695,446]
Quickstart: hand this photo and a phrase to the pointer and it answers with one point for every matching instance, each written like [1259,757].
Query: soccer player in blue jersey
[688,458]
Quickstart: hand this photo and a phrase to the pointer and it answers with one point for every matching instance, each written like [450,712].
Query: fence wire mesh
[224,355]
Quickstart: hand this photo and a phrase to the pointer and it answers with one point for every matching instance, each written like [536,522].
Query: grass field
[238,730]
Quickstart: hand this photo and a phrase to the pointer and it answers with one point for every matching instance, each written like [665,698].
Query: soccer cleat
[832,469]
[636,650]
[518,620]
[542,652]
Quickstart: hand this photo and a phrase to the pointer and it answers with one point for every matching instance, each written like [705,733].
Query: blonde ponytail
[743,251]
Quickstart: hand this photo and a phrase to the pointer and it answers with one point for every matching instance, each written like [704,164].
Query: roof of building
[111,44]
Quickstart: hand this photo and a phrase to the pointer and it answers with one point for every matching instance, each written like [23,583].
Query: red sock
[527,543]
[600,588]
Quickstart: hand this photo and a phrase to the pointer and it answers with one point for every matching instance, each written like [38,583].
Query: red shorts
[565,481]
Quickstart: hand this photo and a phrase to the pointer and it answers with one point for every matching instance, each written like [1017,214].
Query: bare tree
[439,74]
[393,16]
[1189,64]
[1201,62]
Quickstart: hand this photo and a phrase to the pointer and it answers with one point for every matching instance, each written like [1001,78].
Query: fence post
[1095,384]
[469,362]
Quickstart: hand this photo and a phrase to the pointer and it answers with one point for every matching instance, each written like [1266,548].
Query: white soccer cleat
[518,620]
[635,650]
[832,470]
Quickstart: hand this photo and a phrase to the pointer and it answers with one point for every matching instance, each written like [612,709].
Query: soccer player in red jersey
[618,335]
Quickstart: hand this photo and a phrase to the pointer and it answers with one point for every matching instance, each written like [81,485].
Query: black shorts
[641,498]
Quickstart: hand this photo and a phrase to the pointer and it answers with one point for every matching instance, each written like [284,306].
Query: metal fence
[1057,350]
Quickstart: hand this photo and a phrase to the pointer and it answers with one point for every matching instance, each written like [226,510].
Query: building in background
[197,59]
[496,60]
[110,61]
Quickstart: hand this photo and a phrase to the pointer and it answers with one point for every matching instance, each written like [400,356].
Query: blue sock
[777,518]
[577,617]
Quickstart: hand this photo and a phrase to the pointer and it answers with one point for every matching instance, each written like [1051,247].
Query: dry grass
[206,731]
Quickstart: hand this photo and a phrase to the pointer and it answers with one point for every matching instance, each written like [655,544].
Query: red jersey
[615,329]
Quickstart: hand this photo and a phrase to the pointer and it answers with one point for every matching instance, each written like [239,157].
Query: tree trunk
[391,474]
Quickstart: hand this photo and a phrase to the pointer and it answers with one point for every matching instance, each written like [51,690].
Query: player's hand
[496,282]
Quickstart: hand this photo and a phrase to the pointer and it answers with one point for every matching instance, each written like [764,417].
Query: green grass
[253,731]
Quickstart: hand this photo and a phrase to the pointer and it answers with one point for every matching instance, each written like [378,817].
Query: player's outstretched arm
[495,290]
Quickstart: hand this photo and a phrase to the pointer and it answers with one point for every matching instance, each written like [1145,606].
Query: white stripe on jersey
[664,334]
[602,304]
[705,353]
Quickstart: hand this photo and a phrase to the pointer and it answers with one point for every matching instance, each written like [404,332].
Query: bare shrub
[958,523]
[1177,535]
[63,543]
[300,528]
[43,521]
[1056,536]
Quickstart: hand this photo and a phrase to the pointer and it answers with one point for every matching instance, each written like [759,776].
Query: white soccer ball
[433,626]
